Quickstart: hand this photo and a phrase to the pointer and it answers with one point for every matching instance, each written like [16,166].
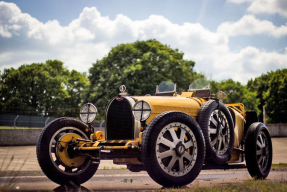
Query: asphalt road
[111,177]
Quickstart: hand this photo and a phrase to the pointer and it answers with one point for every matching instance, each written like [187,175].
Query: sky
[237,39]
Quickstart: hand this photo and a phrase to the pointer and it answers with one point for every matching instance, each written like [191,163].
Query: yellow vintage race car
[171,136]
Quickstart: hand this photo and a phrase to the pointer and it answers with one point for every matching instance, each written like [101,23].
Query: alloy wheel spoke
[223,123]
[166,142]
[214,141]
[181,166]
[223,141]
[261,140]
[259,144]
[215,123]
[166,154]
[172,162]
[188,144]
[173,134]
[219,144]
[188,156]
[260,159]
[182,135]
[212,131]
[259,152]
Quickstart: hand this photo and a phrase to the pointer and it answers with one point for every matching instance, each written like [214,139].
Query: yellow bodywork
[185,103]
[188,105]
[238,135]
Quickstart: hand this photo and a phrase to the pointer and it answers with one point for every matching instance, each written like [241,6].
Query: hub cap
[176,149]
[262,151]
[58,149]
[219,133]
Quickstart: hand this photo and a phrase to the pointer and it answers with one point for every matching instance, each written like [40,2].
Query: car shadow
[71,188]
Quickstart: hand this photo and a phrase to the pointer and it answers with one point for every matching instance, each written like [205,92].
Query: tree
[260,86]
[236,93]
[140,66]
[41,88]
[276,97]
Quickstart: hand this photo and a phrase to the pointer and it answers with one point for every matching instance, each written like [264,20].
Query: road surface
[114,177]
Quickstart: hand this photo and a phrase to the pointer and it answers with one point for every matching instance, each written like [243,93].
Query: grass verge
[279,167]
[247,186]
[8,127]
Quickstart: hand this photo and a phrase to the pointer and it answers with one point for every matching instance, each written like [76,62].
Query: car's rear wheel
[258,151]
[56,156]
[217,126]
[173,149]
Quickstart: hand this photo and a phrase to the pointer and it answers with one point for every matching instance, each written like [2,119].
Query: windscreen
[166,86]
[199,84]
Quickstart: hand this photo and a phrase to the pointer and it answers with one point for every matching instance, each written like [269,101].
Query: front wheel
[258,151]
[56,156]
[173,149]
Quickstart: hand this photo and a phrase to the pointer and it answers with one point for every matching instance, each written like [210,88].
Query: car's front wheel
[173,149]
[56,156]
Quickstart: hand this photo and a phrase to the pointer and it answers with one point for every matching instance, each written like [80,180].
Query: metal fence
[15,120]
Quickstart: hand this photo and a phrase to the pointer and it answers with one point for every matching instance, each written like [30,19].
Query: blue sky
[238,39]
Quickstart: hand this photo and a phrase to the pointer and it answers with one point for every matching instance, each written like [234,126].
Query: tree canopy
[140,66]
[51,89]
[271,91]
[42,88]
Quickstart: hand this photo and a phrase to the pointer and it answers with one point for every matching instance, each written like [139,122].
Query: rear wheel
[258,151]
[173,149]
[56,156]
[218,129]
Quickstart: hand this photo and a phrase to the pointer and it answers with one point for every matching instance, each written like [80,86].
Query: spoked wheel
[217,126]
[219,132]
[173,149]
[258,151]
[56,156]
[176,147]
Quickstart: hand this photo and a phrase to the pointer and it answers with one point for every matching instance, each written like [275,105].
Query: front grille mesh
[120,121]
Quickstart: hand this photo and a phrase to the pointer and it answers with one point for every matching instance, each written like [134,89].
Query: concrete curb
[22,137]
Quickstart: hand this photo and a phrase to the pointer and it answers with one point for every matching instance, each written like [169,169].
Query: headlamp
[141,110]
[88,113]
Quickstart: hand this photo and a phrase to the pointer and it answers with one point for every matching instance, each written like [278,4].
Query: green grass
[250,185]
[279,167]
[8,127]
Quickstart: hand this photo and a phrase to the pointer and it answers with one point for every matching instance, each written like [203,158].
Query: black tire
[258,157]
[50,163]
[167,171]
[215,135]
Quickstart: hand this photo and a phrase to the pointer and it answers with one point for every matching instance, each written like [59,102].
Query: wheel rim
[55,158]
[176,149]
[218,131]
[262,151]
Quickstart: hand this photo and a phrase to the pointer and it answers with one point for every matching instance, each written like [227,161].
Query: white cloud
[265,6]
[91,36]
[249,25]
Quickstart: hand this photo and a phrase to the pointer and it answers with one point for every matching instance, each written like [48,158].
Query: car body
[171,136]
